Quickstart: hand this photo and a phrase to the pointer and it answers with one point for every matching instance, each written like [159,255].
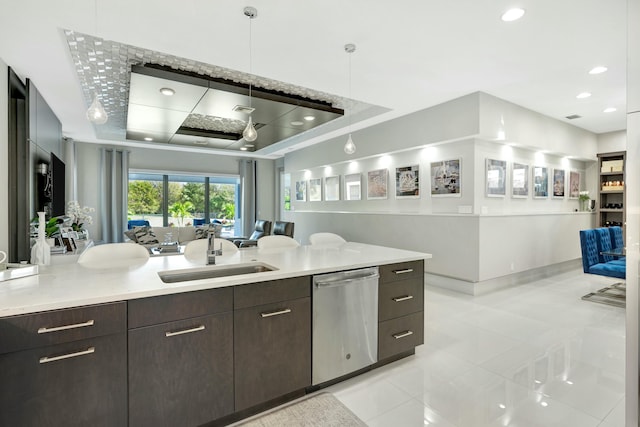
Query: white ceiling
[410,55]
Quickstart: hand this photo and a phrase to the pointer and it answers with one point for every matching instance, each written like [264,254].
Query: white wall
[4,158]
[612,141]
[266,189]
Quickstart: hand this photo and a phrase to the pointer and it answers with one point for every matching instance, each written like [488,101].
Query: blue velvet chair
[592,262]
[137,223]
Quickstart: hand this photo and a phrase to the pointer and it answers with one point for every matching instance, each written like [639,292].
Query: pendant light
[96,113]
[250,134]
[350,147]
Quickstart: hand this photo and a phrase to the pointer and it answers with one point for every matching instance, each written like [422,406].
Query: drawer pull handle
[64,328]
[404,298]
[67,356]
[276,313]
[402,334]
[184,331]
[406,270]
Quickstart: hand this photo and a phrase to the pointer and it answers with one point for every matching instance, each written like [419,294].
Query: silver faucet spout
[211,248]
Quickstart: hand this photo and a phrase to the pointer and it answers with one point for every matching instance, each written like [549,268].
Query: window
[183,200]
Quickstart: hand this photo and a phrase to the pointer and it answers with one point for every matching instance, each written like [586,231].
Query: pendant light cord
[250,58]
[350,102]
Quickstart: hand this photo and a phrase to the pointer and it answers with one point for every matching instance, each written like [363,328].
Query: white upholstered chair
[197,249]
[326,239]
[269,242]
[114,255]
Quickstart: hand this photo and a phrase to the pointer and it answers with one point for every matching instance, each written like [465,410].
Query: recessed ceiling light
[148,139]
[598,70]
[309,118]
[583,95]
[167,91]
[249,145]
[610,110]
[297,123]
[243,148]
[512,14]
[200,142]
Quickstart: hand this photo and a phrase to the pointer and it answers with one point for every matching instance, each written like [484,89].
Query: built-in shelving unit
[611,204]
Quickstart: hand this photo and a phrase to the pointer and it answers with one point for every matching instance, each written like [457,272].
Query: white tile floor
[529,356]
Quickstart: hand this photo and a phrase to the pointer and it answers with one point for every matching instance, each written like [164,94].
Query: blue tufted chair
[603,239]
[591,262]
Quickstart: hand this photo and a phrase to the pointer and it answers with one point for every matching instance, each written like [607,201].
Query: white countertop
[72,285]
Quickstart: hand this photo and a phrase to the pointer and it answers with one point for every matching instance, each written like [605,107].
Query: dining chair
[269,242]
[326,239]
[112,255]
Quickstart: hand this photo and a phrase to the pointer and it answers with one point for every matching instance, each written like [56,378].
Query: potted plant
[584,198]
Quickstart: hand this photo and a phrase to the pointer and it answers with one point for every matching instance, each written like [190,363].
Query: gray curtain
[114,178]
[248,200]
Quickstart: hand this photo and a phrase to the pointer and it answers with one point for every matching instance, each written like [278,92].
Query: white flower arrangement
[78,215]
[584,196]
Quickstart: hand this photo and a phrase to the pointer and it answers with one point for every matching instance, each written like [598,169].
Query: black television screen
[57,186]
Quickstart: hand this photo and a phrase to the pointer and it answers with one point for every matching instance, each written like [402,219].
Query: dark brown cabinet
[70,369]
[181,372]
[272,345]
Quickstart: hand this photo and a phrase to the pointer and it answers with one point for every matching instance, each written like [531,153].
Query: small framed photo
[558,183]
[408,182]
[519,180]
[446,178]
[496,177]
[332,188]
[315,190]
[540,182]
[377,184]
[301,191]
[574,184]
[353,186]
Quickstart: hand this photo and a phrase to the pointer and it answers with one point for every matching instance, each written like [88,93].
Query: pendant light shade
[250,133]
[96,112]
[349,147]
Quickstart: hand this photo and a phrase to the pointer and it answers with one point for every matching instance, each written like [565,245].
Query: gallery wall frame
[315,190]
[408,182]
[377,183]
[332,188]
[446,180]
[353,186]
[496,177]
[540,178]
[574,184]
[519,180]
[301,191]
[558,183]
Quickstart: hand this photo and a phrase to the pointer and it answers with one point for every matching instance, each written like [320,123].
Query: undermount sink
[212,272]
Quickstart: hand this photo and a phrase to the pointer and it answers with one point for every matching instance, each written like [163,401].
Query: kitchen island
[116,345]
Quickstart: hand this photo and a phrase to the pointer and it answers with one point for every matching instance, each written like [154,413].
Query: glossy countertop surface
[72,285]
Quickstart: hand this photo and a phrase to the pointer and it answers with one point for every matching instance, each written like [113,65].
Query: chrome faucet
[211,248]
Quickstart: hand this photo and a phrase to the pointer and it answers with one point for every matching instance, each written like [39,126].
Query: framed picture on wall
[540,182]
[377,184]
[315,190]
[353,186]
[574,184]
[496,177]
[332,188]
[301,191]
[445,178]
[408,182]
[519,180]
[558,183]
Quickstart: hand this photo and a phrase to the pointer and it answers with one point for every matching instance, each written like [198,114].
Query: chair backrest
[196,249]
[617,238]
[198,221]
[268,242]
[283,228]
[589,248]
[326,239]
[603,240]
[112,255]
[137,223]
[261,229]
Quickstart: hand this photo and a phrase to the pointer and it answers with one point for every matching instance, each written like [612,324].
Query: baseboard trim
[486,286]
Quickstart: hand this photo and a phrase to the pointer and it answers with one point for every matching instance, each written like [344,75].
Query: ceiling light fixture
[149,139]
[297,123]
[96,113]
[512,14]
[250,134]
[167,91]
[610,110]
[349,146]
[583,95]
[309,118]
[598,70]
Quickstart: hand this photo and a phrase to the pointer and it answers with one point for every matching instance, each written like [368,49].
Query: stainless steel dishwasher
[345,323]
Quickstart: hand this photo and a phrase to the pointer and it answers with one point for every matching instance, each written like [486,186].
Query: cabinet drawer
[401,271]
[169,308]
[273,291]
[400,298]
[399,335]
[81,383]
[60,326]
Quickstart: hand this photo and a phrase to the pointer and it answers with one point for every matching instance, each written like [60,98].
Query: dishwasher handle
[343,282]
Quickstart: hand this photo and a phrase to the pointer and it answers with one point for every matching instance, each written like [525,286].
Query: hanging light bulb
[349,146]
[96,112]
[250,133]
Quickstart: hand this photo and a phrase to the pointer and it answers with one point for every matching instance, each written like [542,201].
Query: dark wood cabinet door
[272,351]
[181,373]
[80,383]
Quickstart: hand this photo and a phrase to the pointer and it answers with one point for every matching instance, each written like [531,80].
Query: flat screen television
[57,186]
